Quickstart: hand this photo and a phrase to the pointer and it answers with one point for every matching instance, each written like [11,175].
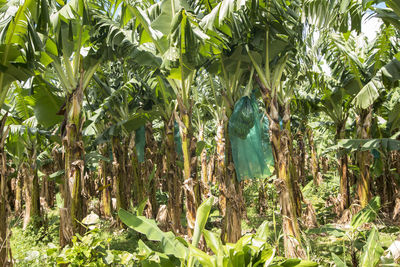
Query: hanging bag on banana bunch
[249,137]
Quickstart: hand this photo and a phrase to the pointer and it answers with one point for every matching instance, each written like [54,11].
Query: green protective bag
[266,143]
[178,141]
[140,143]
[249,137]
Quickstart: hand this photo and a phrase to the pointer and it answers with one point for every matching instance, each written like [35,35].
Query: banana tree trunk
[317,177]
[65,230]
[220,166]
[231,189]
[262,197]
[18,190]
[344,189]
[391,162]
[364,157]
[136,174]
[280,144]
[4,248]
[174,181]
[297,194]
[4,242]
[11,186]
[104,171]
[325,164]
[301,160]
[211,169]
[151,158]
[35,210]
[119,174]
[47,192]
[127,172]
[74,152]
[51,193]
[203,159]
[191,184]
[386,186]
[396,160]
[32,195]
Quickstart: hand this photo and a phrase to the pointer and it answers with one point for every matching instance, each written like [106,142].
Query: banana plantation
[200,133]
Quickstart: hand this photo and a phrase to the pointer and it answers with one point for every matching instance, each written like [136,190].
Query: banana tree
[200,115]
[354,68]
[270,64]
[74,61]
[31,181]
[337,106]
[231,71]
[305,106]
[171,27]
[166,105]
[262,20]
[118,137]
[228,22]
[25,135]
[163,96]
[365,67]
[18,59]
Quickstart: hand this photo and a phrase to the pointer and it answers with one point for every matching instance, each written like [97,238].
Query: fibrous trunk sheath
[343,172]
[73,185]
[317,177]
[203,159]
[18,191]
[232,229]
[104,171]
[364,157]
[174,182]
[4,242]
[150,181]
[220,166]
[119,174]
[280,145]
[32,197]
[191,184]
[3,211]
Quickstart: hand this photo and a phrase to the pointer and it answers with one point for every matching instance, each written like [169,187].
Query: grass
[29,247]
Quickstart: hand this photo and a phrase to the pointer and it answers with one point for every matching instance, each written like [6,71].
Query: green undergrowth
[107,245]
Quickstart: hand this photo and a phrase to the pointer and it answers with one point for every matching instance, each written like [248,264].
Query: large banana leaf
[327,229]
[388,74]
[203,258]
[129,124]
[201,218]
[385,144]
[15,146]
[46,103]
[213,241]
[12,47]
[335,104]
[392,15]
[149,34]
[372,250]
[151,258]
[327,14]
[367,214]
[338,261]
[394,118]
[170,244]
